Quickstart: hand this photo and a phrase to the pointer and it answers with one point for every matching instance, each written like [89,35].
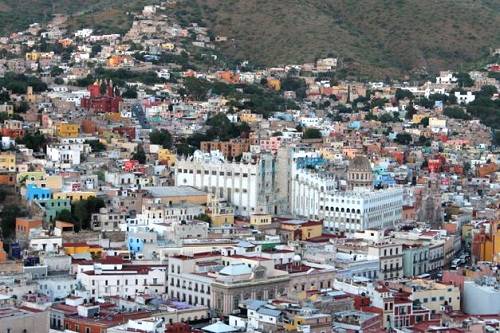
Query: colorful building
[67,130]
[274,84]
[165,156]
[293,230]
[52,207]
[102,103]
[7,162]
[486,243]
[260,219]
[82,248]
[34,192]
[74,195]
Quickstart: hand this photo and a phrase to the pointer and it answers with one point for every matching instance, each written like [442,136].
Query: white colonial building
[122,280]
[248,185]
[313,196]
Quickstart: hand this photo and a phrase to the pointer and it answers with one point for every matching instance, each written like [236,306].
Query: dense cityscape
[150,184]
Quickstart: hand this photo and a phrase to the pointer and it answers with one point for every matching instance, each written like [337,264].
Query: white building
[57,287]
[249,186]
[465,98]
[446,77]
[481,297]
[314,196]
[122,280]
[187,279]
[68,153]
[390,257]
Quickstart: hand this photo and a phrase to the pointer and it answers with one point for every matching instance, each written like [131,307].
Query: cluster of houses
[362,207]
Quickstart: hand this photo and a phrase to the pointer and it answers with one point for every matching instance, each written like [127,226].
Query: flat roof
[173,191]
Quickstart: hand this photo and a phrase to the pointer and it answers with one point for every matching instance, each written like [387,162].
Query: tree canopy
[161,137]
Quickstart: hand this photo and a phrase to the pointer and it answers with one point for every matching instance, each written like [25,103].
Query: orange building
[24,225]
[486,169]
[230,149]
[8,178]
[301,230]
[486,243]
[3,254]
[228,76]
[274,84]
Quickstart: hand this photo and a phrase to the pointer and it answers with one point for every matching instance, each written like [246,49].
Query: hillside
[376,37]
[105,15]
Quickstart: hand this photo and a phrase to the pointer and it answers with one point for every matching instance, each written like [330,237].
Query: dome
[360,163]
[296,258]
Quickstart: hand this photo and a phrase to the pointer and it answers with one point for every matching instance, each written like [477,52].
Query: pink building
[272,144]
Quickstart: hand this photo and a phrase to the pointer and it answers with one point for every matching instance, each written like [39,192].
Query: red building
[100,322]
[434,165]
[12,133]
[128,132]
[102,103]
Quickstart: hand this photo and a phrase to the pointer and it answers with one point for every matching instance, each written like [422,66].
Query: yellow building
[30,176]
[53,182]
[417,118]
[294,230]
[7,162]
[249,117]
[73,196]
[433,295]
[80,248]
[113,116]
[260,219]
[65,42]
[316,322]
[35,56]
[486,243]
[67,130]
[328,154]
[168,46]
[220,213]
[165,156]
[274,84]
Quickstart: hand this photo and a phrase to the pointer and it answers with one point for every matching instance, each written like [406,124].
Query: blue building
[34,192]
[310,162]
[356,125]
[135,244]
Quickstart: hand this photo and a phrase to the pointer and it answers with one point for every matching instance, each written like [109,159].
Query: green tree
[295,84]
[139,154]
[456,113]
[197,88]
[425,122]
[410,111]
[386,118]
[8,218]
[21,107]
[312,133]
[487,91]
[130,93]
[403,138]
[66,216]
[56,71]
[370,116]
[83,210]
[36,141]
[96,145]
[403,93]
[464,80]
[161,137]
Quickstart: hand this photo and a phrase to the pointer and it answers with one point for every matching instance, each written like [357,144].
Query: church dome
[360,173]
[360,163]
